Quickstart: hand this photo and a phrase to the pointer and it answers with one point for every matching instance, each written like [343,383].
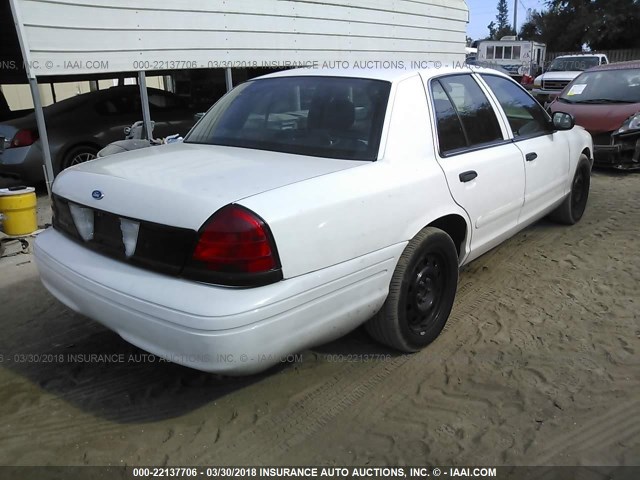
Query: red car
[606,101]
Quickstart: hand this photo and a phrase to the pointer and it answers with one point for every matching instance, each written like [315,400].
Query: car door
[484,169]
[546,152]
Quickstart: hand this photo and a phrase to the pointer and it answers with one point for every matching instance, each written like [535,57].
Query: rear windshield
[318,116]
[573,64]
[604,86]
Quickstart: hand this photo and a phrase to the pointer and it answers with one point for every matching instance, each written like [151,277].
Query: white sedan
[306,203]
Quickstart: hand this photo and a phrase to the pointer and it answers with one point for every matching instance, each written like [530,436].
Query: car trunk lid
[182,185]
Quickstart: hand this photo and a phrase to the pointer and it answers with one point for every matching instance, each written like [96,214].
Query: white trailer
[521,58]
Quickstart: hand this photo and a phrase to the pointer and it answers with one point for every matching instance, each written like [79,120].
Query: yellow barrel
[18,209]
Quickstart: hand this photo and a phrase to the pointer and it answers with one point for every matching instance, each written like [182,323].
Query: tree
[533,28]
[503,15]
[558,30]
[568,25]
[492,30]
[615,25]
[502,27]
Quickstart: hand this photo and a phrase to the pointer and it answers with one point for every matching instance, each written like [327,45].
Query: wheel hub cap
[425,293]
[426,290]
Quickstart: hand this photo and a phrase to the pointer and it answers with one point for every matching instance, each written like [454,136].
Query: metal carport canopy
[85,37]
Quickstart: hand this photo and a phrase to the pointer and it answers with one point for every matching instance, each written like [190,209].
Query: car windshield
[318,116]
[604,86]
[573,64]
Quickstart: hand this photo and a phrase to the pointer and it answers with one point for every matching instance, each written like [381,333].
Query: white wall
[87,36]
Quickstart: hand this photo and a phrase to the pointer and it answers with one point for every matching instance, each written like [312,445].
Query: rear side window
[450,134]
[464,117]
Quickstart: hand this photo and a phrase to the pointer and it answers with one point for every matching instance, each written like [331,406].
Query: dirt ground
[538,365]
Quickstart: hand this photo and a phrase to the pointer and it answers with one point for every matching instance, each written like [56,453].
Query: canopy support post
[229,78]
[147,131]
[42,132]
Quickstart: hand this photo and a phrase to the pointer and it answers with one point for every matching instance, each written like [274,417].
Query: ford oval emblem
[97,194]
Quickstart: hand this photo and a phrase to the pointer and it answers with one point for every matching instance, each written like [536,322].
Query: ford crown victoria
[305,204]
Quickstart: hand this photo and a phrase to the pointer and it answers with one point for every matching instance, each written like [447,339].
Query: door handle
[468,176]
[531,156]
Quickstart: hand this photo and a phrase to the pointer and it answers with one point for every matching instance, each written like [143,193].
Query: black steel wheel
[421,293]
[424,296]
[572,209]
[580,192]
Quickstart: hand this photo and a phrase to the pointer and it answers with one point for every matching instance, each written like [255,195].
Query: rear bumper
[24,163]
[209,328]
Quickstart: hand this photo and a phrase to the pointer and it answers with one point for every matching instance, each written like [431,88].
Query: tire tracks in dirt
[477,293]
[308,415]
[617,425]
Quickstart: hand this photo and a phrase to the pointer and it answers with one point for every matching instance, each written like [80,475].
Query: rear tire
[421,293]
[572,209]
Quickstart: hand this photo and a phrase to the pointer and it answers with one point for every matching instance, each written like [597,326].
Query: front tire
[421,293]
[572,208]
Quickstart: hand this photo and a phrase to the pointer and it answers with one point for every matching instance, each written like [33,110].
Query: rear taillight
[527,80]
[24,138]
[235,247]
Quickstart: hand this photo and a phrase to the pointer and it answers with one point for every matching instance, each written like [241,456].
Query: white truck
[562,71]
[523,59]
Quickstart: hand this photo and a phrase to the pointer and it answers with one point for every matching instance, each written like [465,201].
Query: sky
[482,12]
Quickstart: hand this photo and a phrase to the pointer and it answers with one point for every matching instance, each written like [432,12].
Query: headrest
[336,114]
[340,114]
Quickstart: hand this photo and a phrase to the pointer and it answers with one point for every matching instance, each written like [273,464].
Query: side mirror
[563,121]
[127,131]
[198,116]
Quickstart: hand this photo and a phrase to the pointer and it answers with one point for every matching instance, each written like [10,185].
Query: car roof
[633,64]
[86,99]
[389,75]
[120,89]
